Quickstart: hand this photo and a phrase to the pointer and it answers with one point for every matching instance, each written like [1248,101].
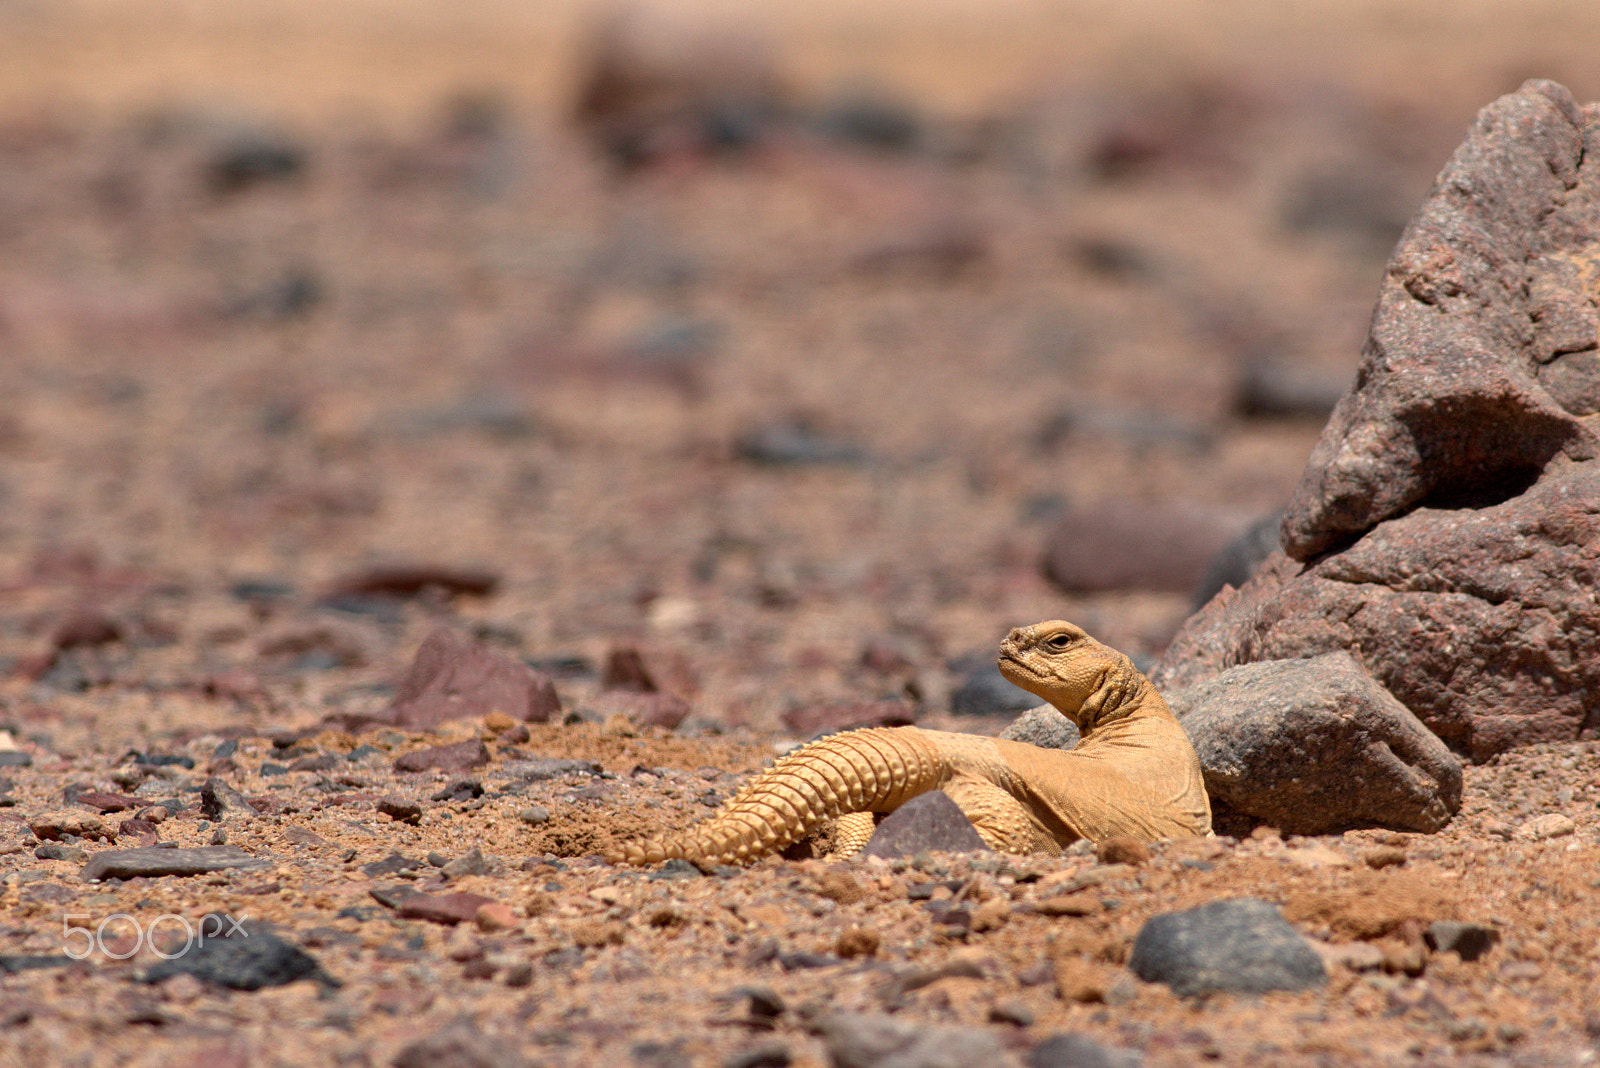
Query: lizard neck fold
[1116,700]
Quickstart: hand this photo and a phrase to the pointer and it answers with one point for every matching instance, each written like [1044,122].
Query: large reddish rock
[1447,526]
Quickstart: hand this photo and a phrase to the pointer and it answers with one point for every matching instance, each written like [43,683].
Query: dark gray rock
[1240,946]
[156,861]
[983,691]
[1469,941]
[929,822]
[1045,727]
[1316,746]
[12,963]
[1443,530]
[227,953]
[871,1040]
[1077,1051]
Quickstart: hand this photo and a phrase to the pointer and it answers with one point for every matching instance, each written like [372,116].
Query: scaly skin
[1133,772]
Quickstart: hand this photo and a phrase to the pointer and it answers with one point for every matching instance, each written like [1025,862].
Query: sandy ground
[448,332]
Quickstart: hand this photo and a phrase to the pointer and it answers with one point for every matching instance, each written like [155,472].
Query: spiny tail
[876,769]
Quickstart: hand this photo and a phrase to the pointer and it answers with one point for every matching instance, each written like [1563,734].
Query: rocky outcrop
[1446,530]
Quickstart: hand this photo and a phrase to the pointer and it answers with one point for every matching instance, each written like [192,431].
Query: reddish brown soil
[444,346]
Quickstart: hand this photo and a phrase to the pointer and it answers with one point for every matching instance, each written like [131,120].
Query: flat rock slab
[1240,946]
[1444,530]
[155,861]
[1316,746]
[461,756]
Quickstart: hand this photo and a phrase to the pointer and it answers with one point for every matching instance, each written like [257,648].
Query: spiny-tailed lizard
[1132,773]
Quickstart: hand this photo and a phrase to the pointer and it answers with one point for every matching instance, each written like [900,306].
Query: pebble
[1242,945]
[1550,825]
[926,823]
[437,908]
[57,851]
[400,809]
[65,823]
[219,801]
[770,1055]
[462,756]
[534,814]
[460,1044]
[1469,941]
[1077,1051]
[873,1040]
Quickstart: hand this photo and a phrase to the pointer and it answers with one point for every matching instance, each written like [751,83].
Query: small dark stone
[324,762]
[228,953]
[800,960]
[1241,945]
[983,691]
[224,750]
[472,862]
[157,861]
[219,801]
[1077,1051]
[57,851]
[676,868]
[173,760]
[412,580]
[764,1002]
[1469,941]
[929,822]
[771,1055]
[12,963]
[796,443]
[400,809]
[625,670]
[393,864]
[270,769]
[86,627]
[15,758]
[249,159]
[459,790]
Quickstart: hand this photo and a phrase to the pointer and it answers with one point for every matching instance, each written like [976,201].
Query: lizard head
[1088,682]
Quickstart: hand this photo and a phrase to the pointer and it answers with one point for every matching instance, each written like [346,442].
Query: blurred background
[808,349]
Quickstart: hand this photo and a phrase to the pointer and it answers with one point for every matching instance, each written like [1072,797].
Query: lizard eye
[1058,641]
